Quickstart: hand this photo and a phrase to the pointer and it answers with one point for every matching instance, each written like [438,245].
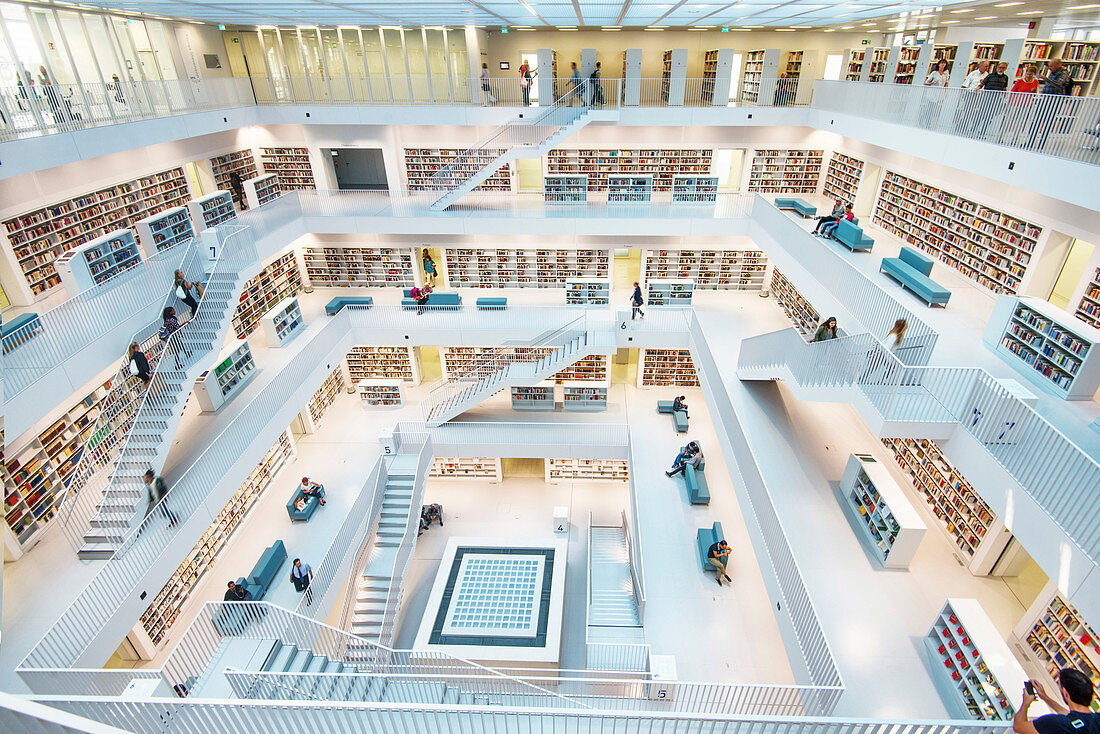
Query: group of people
[691,453]
[826,225]
[589,92]
[429,514]
[185,290]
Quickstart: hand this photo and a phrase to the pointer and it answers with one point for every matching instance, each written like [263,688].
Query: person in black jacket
[636,302]
[138,363]
[991,99]
[236,188]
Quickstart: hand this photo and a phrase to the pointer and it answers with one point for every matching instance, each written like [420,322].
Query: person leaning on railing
[1056,84]
[991,102]
[1021,100]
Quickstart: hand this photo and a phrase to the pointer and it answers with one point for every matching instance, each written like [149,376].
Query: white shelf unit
[888,524]
[855,64]
[278,280]
[630,189]
[262,189]
[234,369]
[291,166]
[976,673]
[379,392]
[239,161]
[167,229]
[985,245]
[708,269]
[533,398]
[211,210]
[38,237]
[569,470]
[360,266]
[601,164]
[1046,344]
[694,189]
[785,171]
[589,292]
[283,323]
[761,71]
[673,292]
[590,369]
[480,469]
[907,64]
[842,178]
[804,316]
[1088,310]
[96,262]
[522,268]
[400,363]
[168,603]
[565,189]
[421,163]
[879,58]
[325,396]
[583,397]
[666,368]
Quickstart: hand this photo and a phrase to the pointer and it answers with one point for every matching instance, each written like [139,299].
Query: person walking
[826,331]
[301,574]
[487,97]
[1055,85]
[1072,709]
[138,363]
[636,302]
[878,356]
[837,213]
[575,82]
[718,556]
[236,190]
[429,267]
[169,327]
[183,289]
[594,83]
[157,492]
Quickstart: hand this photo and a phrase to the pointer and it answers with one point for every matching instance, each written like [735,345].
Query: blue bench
[851,236]
[19,330]
[679,417]
[450,300]
[312,503]
[333,307]
[491,303]
[705,538]
[264,572]
[911,269]
[798,205]
[696,484]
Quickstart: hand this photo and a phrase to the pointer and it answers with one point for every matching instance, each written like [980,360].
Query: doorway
[200,177]
[728,163]
[436,255]
[1080,252]
[833,63]
[627,267]
[529,173]
[359,169]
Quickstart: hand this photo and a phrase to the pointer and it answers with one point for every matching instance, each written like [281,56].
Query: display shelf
[907,64]
[667,368]
[879,57]
[590,369]
[233,369]
[1088,310]
[262,189]
[240,162]
[539,397]
[989,247]
[630,189]
[278,280]
[785,171]
[379,392]
[169,228]
[283,323]
[168,603]
[842,178]
[669,292]
[565,189]
[421,163]
[1048,345]
[522,268]
[568,470]
[96,262]
[710,75]
[326,395]
[401,363]
[600,165]
[804,316]
[583,397]
[211,210]
[855,65]
[976,673]
[360,266]
[708,269]
[291,166]
[758,78]
[587,292]
[38,237]
[889,525]
[694,189]
[467,468]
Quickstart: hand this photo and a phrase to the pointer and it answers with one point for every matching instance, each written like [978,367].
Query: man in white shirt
[966,113]
[975,77]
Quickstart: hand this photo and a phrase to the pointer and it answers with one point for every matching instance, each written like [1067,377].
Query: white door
[832,66]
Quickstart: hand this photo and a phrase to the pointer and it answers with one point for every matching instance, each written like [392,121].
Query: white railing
[1059,125]
[634,548]
[603,437]
[633,656]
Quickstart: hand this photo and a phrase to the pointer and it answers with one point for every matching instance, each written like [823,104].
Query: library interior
[509,367]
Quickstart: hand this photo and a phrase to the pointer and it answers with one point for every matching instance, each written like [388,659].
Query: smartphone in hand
[1029,688]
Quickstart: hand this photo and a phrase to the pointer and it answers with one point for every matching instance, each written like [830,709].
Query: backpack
[164,333]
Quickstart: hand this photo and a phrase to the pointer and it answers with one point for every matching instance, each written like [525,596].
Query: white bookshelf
[480,469]
[694,189]
[854,70]
[590,369]
[533,398]
[325,396]
[785,171]
[707,269]
[283,323]
[262,189]
[583,397]
[211,210]
[96,262]
[879,58]
[278,280]
[422,163]
[564,189]
[761,71]
[601,164]
[1088,310]
[804,316]
[1049,346]
[675,292]
[402,363]
[379,392]
[569,470]
[234,369]
[240,162]
[629,189]
[587,292]
[888,524]
[522,268]
[359,266]
[842,178]
[169,228]
[291,166]
[666,368]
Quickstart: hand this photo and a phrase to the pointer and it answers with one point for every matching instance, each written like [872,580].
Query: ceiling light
[847,27]
[613,28]
[830,30]
[987,17]
[700,28]
[1083,7]
[964,10]
[653,28]
[1030,12]
[945,22]
[1008,5]
[567,29]
[869,24]
[784,30]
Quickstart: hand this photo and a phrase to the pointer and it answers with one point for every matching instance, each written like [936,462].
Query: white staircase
[612,602]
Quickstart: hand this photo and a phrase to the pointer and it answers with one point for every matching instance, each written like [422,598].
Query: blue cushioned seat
[804,208]
[333,307]
[852,236]
[911,269]
[19,330]
[696,483]
[264,572]
[312,503]
[704,539]
[491,302]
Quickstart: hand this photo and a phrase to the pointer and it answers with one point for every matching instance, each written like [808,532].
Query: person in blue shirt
[1072,714]
[577,84]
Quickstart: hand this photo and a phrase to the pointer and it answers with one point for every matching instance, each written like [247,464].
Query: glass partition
[332,52]
[435,47]
[376,64]
[395,62]
[459,64]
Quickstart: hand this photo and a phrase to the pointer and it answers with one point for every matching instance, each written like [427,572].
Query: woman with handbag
[138,363]
[526,78]
[183,292]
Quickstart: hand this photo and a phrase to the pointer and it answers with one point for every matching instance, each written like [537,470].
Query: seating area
[704,539]
[437,301]
[302,515]
[333,307]
[492,303]
[679,417]
[19,330]
[803,208]
[265,571]
[851,236]
[696,484]
[911,269]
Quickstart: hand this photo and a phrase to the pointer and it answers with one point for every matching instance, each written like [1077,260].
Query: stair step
[92,551]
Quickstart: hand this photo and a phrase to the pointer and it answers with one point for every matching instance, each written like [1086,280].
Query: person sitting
[837,213]
[681,460]
[679,404]
[718,556]
[236,592]
[420,295]
[434,513]
[829,229]
[312,489]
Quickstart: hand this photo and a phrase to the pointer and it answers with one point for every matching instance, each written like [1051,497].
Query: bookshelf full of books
[568,470]
[758,78]
[479,468]
[907,64]
[629,189]
[842,178]
[96,262]
[240,162]
[212,209]
[359,266]
[325,396]
[422,163]
[380,392]
[590,369]
[169,228]
[1088,310]
[291,166]
[262,189]
[278,280]
[38,237]
[987,246]
[707,269]
[601,165]
[879,57]
[673,292]
[583,397]
[1081,58]
[888,524]
[710,75]
[694,189]
[785,171]
[283,322]
[401,363]
[666,368]
[855,64]
[565,189]
[233,369]
[522,268]
[587,292]
[804,316]
[533,398]
[168,603]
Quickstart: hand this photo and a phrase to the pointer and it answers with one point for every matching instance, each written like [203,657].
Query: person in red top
[848,215]
[1020,104]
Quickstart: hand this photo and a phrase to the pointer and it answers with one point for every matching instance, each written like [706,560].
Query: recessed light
[700,28]
[829,30]
[987,17]
[785,30]
[847,27]
[1008,5]
[653,29]
[1031,12]
[964,10]
[613,28]
[566,29]
[945,22]
[1083,7]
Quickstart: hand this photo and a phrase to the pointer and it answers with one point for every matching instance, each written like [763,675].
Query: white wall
[195,41]
[979,34]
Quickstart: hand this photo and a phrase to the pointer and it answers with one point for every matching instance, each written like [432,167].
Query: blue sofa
[911,269]
[704,539]
[451,300]
[487,303]
[798,205]
[264,572]
[679,417]
[851,236]
[312,503]
[333,307]
[19,330]
[696,483]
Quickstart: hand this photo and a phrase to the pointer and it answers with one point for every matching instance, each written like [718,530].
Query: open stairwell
[612,601]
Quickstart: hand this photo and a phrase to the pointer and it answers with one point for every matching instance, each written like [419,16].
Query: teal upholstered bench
[491,303]
[679,417]
[696,483]
[798,205]
[437,302]
[333,307]
[19,330]
[704,539]
[852,237]
[911,269]
[264,572]
[312,503]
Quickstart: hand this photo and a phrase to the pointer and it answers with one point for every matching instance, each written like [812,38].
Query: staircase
[612,602]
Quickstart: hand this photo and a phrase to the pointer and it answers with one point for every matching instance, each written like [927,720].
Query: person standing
[937,79]
[1073,714]
[966,112]
[183,291]
[594,82]
[1055,85]
[1020,102]
[236,189]
[526,77]
[837,213]
[429,267]
[157,491]
[991,102]
[636,302]
[718,556]
[576,84]
[138,363]
[487,97]
[169,327]
[301,575]
[116,84]
[826,331]
[878,356]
